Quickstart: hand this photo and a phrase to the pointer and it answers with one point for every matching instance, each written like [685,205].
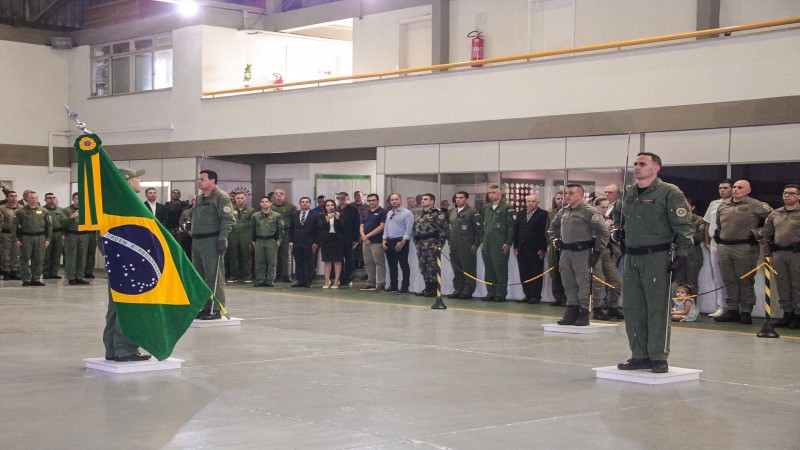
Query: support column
[440,25]
[707,15]
[258,176]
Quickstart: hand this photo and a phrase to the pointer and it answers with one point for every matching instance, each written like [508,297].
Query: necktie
[303,218]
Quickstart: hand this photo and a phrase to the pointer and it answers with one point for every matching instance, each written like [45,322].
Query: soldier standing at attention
[285,209]
[31,233]
[10,256]
[498,237]
[465,238]
[737,235]
[75,244]
[580,232]
[212,220]
[782,242]
[267,232]
[430,234]
[655,214]
[239,239]
[52,254]
[554,254]
[690,273]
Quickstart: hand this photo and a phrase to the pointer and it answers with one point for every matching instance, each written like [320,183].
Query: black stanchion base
[767,331]
[439,304]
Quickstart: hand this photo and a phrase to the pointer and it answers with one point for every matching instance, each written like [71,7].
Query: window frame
[101,57]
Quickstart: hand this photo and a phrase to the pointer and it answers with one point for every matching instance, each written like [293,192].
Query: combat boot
[6,275]
[729,316]
[615,313]
[785,321]
[431,291]
[570,315]
[15,275]
[583,318]
[599,314]
[795,323]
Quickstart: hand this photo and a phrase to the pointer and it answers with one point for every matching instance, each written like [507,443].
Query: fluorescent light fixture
[187,7]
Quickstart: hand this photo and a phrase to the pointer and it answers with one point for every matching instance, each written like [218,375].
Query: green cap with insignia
[131,173]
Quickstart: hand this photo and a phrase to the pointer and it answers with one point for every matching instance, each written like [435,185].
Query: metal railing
[523,57]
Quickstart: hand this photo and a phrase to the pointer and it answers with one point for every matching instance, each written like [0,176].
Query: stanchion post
[767,331]
[439,303]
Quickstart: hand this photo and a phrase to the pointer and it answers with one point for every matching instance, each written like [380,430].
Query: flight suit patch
[681,212]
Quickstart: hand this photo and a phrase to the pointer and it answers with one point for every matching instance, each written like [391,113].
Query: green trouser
[735,261]
[463,260]
[689,273]
[10,256]
[91,252]
[266,260]
[116,344]
[496,268]
[646,283]
[284,258]
[787,264]
[31,257]
[75,255]
[239,251]
[574,268]
[556,285]
[209,264]
[52,255]
[606,270]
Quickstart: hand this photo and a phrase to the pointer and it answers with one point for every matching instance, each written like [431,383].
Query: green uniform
[52,254]
[553,256]
[212,220]
[184,235]
[737,235]
[266,231]
[465,232]
[284,255]
[782,235]
[690,273]
[239,244]
[653,220]
[91,254]
[75,245]
[33,229]
[498,229]
[10,253]
[582,230]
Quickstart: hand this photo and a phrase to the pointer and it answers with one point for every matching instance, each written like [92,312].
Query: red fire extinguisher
[477,46]
[278,80]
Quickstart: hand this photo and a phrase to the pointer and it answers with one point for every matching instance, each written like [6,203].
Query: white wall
[740,12]
[505,28]
[617,20]
[38,179]
[303,175]
[34,90]
[376,39]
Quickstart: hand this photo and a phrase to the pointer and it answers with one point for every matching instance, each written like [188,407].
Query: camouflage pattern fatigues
[430,233]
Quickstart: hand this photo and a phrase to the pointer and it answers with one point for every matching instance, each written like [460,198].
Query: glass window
[137,65]
[100,74]
[700,183]
[476,184]
[142,44]
[144,72]
[767,180]
[101,50]
[120,75]
[162,69]
[121,47]
[411,186]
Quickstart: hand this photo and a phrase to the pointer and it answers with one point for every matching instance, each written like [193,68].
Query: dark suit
[160,212]
[530,237]
[302,237]
[352,222]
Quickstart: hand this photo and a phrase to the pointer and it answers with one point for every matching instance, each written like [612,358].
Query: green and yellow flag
[155,288]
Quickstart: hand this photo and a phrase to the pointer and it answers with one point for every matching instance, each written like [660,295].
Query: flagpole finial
[74,117]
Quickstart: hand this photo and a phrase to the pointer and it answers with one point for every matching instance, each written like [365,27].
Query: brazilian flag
[155,288]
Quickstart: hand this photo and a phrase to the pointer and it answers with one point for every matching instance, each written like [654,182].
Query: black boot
[570,315]
[15,276]
[785,321]
[583,318]
[795,323]
[425,292]
[6,275]
[599,314]
[431,289]
[729,316]
[615,313]
[557,302]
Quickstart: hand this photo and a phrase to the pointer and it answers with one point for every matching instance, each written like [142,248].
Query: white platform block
[221,322]
[150,365]
[675,375]
[571,329]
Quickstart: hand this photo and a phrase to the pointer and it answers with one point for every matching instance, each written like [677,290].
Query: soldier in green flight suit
[285,209]
[239,239]
[465,238]
[75,244]
[498,237]
[31,233]
[212,220]
[52,254]
[267,233]
[654,216]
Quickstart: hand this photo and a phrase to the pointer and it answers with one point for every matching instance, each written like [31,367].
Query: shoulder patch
[681,212]
[441,216]
[597,217]
[513,216]
[226,209]
[765,206]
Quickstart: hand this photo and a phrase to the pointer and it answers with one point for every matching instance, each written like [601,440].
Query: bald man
[739,223]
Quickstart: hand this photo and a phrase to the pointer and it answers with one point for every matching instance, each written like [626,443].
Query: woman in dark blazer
[331,233]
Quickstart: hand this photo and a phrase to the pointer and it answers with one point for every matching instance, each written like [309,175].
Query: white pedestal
[571,329]
[675,375]
[150,365]
[221,322]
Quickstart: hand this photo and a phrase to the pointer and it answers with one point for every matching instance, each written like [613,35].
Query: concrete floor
[346,369]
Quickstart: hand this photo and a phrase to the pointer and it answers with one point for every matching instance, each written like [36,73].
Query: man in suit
[303,242]
[530,246]
[352,222]
[158,209]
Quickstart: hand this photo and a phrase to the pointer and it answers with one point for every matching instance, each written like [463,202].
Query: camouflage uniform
[33,229]
[430,233]
[284,255]
[52,254]
[267,230]
[465,231]
[239,244]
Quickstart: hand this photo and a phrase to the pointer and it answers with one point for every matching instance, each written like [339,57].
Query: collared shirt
[711,218]
[152,206]
[372,220]
[399,224]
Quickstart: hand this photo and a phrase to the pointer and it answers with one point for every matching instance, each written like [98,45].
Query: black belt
[265,238]
[785,248]
[68,231]
[577,246]
[26,233]
[748,241]
[56,230]
[648,249]
[205,235]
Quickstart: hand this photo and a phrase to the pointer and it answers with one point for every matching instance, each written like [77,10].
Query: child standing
[683,305]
